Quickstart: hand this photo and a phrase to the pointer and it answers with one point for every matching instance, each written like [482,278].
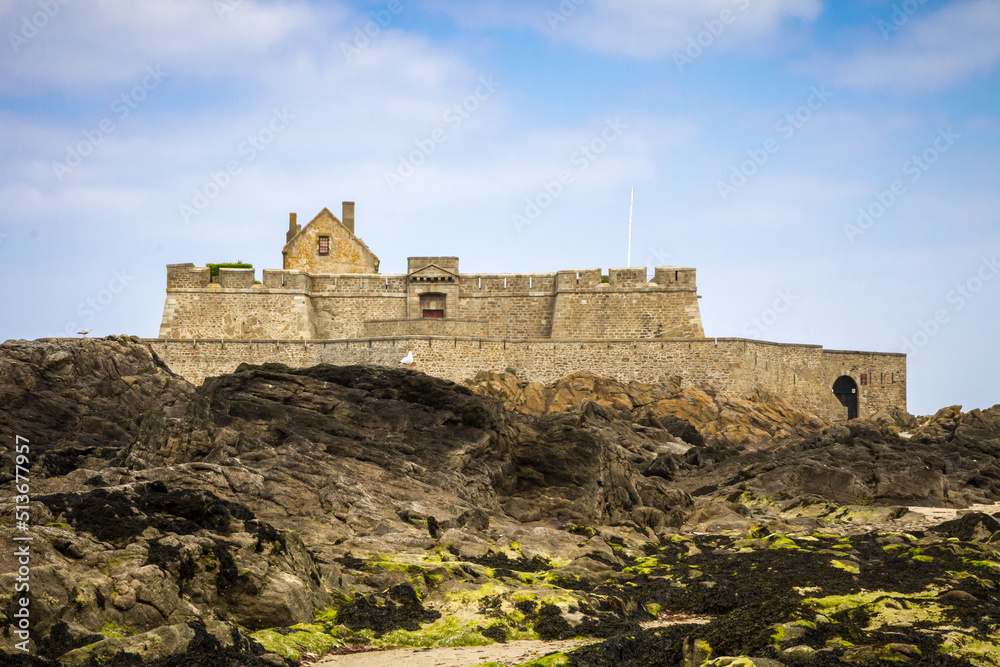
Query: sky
[830,169]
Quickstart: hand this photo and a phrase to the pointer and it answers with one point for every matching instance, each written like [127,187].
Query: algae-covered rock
[157,644]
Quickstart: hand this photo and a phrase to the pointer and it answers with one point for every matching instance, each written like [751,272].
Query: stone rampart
[803,374]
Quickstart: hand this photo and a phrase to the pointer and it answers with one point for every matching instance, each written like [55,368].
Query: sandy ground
[511,653]
[931,516]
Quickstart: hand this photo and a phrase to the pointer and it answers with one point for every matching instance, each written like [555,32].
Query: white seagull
[408,359]
[84,332]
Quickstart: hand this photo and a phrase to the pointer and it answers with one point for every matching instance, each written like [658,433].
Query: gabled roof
[432,269]
[335,219]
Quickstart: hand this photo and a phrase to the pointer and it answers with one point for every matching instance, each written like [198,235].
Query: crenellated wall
[803,374]
[566,305]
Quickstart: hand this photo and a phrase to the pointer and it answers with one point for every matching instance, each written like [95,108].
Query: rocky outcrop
[235,502]
[309,507]
[697,414]
[80,401]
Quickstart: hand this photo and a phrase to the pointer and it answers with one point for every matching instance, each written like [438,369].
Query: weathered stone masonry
[289,304]
[544,325]
[803,374]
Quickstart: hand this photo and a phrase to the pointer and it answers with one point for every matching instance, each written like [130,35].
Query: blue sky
[834,162]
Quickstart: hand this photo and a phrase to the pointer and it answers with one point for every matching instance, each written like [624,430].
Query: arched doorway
[846,391]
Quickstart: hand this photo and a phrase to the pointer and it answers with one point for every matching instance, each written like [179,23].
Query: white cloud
[932,50]
[92,45]
[645,29]
[652,29]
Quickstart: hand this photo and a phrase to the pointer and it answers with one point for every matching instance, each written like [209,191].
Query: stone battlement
[288,303]
[665,279]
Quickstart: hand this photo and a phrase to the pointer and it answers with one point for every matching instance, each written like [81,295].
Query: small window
[324,245]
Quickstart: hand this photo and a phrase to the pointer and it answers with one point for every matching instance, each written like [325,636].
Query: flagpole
[628,261]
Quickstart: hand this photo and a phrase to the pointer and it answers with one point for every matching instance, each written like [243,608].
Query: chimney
[348,216]
[293,228]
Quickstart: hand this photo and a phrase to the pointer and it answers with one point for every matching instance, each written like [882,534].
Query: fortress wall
[424,327]
[805,374]
[802,374]
[344,315]
[675,276]
[525,315]
[572,279]
[886,377]
[235,313]
[796,372]
[607,312]
[230,278]
[625,278]
[459,359]
[370,283]
[280,279]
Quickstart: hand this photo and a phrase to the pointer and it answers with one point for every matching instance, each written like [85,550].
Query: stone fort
[329,304]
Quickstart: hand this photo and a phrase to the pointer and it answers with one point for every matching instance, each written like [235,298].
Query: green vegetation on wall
[213,269]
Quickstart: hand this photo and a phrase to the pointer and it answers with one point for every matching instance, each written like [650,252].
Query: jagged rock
[979,424]
[939,427]
[80,401]
[695,414]
[664,465]
[972,526]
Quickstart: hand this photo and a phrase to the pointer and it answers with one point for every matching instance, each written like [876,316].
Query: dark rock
[972,526]
[664,465]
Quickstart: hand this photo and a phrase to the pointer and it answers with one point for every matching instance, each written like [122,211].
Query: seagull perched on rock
[408,359]
[84,332]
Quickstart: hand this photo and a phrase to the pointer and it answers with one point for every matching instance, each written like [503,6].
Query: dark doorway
[846,391]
